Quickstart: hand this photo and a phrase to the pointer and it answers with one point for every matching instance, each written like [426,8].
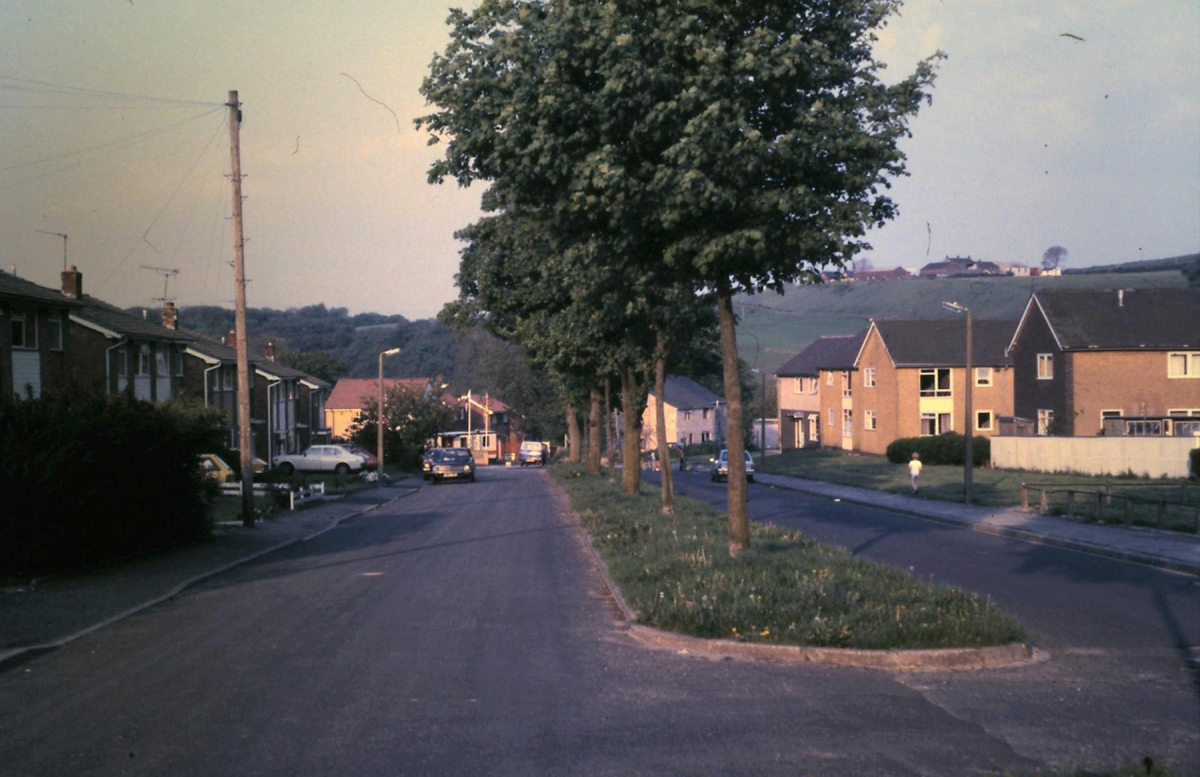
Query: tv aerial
[167,273]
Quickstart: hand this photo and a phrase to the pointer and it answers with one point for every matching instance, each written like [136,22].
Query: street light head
[957,308]
[391,352]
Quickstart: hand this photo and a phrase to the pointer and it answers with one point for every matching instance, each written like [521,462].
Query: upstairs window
[1183,365]
[143,365]
[869,377]
[983,376]
[829,379]
[846,388]
[24,332]
[1045,364]
[797,385]
[813,385]
[935,382]
[54,332]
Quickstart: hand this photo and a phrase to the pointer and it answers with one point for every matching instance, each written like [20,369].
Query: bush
[948,448]
[88,478]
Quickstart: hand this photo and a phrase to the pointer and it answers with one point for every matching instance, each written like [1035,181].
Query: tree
[411,417]
[863,264]
[319,364]
[712,146]
[1053,257]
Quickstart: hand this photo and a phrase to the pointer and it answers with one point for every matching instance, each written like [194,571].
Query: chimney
[170,316]
[12,270]
[231,339]
[145,314]
[1120,298]
[270,350]
[72,283]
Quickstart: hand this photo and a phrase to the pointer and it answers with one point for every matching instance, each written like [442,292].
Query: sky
[1034,139]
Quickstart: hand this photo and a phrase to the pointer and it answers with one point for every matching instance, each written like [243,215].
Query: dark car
[452,464]
[427,462]
[371,459]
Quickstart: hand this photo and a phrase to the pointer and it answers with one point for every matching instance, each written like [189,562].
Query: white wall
[1145,456]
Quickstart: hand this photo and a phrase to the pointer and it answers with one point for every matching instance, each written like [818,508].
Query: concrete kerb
[1174,565]
[9,658]
[997,657]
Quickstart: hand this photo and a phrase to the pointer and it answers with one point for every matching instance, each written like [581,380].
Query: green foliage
[412,417]
[319,364]
[948,448]
[675,571]
[88,478]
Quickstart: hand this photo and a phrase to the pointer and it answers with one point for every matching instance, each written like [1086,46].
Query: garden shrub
[948,448]
[88,478]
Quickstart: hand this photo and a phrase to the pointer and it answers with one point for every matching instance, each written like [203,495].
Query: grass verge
[993,487]
[675,571]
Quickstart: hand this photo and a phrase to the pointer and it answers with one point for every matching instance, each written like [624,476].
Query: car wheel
[286,468]
[749,478]
[342,469]
[472,478]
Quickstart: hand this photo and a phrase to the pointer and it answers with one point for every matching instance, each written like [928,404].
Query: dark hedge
[90,478]
[948,448]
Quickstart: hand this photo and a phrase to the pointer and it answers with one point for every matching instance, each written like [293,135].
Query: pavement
[1176,551]
[50,612]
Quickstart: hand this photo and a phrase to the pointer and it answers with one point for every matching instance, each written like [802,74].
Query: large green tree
[723,145]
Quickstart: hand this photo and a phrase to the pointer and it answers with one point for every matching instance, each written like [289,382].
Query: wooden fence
[1152,457]
[1178,508]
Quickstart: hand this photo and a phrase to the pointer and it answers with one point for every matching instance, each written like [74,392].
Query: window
[797,385]
[143,365]
[54,332]
[1045,420]
[846,388]
[1183,365]
[704,413]
[847,423]
[24,332]
[869,377]
[813,385]
[831,416]
[687,415]
[870,423]
[983,376]
[705,437]
[935,382]
[1045,363]
[983,420]
[1143,428]
[162,362]
[933,424]
[829,379]
[118,362]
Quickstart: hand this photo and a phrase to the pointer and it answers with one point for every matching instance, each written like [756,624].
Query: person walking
[914,469]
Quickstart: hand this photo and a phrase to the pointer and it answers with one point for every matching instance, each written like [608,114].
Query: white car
[321,458]
[720,469]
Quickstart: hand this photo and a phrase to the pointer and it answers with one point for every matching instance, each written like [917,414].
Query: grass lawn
[994,487]
[676,572]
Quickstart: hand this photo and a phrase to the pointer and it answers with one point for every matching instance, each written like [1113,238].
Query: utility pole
[64,237]
[239,313]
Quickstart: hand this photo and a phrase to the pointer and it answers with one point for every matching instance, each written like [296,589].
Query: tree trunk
[739,517]
[593,447]
[574,435]
[610,438]
[660,428]
[631,450]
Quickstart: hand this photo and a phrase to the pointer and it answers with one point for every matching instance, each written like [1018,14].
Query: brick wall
[883,399]
[1134,382]
[87,359]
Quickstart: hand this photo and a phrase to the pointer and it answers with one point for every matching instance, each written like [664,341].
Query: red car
[372,461]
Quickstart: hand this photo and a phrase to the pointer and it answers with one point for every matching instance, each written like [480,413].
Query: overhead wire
[99,93]
[163,209]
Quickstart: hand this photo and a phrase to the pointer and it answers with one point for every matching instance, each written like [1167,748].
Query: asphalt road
[462,630]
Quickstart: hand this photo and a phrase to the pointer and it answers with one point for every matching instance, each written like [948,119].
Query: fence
[1177,509]
[296,496]
[1152,457]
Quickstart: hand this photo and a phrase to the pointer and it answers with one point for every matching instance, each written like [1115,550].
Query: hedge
[948,448]
[88,478]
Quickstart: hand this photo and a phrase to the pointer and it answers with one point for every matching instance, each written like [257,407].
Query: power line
[102,93]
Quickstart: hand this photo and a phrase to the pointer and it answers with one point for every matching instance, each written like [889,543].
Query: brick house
[1085,357]
[34,337]
[350,396]
[835,392]
[112,351]
[912,374]
[797,388]
[481,423]
[693,414]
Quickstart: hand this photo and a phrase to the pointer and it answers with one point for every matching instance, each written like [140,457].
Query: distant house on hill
[881,275]
[959,265]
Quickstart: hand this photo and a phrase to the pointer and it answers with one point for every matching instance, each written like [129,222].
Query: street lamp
[762,401]
[969,455]
[379,418]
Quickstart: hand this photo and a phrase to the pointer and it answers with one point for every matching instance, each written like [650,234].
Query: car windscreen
[452,457]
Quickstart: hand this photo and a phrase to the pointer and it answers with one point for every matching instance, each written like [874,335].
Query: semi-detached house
[33,338]
[798,389]
[694,415]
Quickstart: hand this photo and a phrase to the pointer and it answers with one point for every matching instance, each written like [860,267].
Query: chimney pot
[170,316]
[72,283]
[1120,298]
[271,350]
[231,340]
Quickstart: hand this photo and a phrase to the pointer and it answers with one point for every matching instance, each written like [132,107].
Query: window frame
[1046,360]
[980,381]
[936,391]
[868,377]
[870,421]
[829,378]
[1045,420]
[55,332]
[991,425]
[27,332]
[1191,365]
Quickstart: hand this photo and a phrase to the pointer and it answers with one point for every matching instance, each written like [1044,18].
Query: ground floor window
[1143,428]
[933,424]
[870,423]
[705,437]
[1045,419]
[983,420]
[847,423]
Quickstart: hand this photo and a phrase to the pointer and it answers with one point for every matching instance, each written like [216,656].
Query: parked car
[371,459]
[453,464]
[321,458]
[215,467]
[720,469]
[532,452]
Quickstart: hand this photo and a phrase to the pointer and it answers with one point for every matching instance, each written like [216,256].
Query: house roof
[211,348]
[836,352]
[941,342]
[685,393]
[352,393]
[1124,320]
[117,322]
[12,287]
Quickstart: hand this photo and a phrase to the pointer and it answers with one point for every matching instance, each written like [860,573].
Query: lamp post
[379,418]
[969,454]
[762,400]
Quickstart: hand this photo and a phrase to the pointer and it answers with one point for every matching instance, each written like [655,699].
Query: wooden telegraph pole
[239,299]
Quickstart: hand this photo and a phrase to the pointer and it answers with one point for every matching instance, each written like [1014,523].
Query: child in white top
[914,469]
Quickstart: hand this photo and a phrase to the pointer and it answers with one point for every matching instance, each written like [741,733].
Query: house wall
[679,426]
[1134,382]
[883,399]
[830,397]
[50,366]
[1031,394]
[87,360]
[794,410]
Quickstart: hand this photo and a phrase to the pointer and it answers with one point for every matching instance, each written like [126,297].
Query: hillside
[786,324]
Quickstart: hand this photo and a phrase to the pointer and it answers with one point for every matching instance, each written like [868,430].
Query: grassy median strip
[675,571]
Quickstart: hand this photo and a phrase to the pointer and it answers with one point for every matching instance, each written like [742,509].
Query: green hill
[786,324]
